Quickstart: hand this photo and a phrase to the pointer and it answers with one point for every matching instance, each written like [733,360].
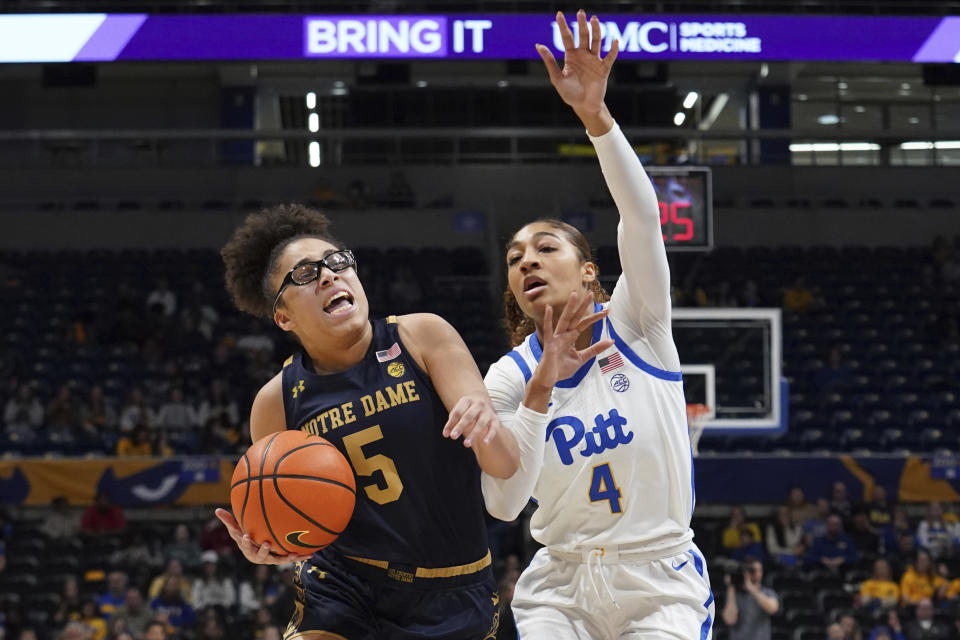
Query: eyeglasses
[307,272]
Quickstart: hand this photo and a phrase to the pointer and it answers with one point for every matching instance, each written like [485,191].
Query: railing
[95,148]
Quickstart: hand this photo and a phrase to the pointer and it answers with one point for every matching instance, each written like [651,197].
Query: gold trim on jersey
[288,361]
[391,319]
[434,572]
[315,635]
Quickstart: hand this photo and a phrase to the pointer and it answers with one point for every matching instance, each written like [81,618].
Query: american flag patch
[610,363]
[389,354]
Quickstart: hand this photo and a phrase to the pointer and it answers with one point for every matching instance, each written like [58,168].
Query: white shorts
[592,597]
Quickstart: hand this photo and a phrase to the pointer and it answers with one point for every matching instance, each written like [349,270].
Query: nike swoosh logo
[294,537]
[677,567]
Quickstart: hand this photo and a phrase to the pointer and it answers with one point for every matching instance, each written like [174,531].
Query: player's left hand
[582,83]
[474,418]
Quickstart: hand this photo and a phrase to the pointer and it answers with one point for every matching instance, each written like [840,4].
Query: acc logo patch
[395,369]
[620,382]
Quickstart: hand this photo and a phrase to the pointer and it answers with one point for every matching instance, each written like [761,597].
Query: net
[697,415]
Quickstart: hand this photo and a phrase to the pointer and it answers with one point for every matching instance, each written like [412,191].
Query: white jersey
[617,466]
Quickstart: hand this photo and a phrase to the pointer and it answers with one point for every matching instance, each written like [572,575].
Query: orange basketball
[293,490]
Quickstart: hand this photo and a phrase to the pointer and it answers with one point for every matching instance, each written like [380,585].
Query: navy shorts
[342,599]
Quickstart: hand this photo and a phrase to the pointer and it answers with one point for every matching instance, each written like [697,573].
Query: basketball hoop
[697,415]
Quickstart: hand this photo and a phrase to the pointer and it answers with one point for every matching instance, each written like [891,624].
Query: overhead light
[802,97]
[502,84]
[905,86]
[690,100]
[313,122]
[764,70]
[314,150]
[833,146]
[859,108]
[842,85]
[828,119]
[713,111]
[942,144]
[311,100]
[679,118]
[913,120]
[421,83]
[339,84]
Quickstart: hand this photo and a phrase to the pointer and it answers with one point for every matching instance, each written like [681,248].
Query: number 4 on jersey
[604,487]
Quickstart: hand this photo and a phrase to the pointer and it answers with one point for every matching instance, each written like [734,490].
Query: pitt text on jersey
[607,434]
[372,403]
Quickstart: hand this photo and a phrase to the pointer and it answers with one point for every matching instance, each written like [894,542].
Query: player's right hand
[255,553]
[560,357]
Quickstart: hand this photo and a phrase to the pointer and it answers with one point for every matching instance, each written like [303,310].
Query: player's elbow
[504,512]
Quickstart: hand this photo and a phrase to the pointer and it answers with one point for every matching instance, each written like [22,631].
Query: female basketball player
[615,492]
[413,562]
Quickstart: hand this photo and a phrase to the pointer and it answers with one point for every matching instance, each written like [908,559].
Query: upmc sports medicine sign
[107,37]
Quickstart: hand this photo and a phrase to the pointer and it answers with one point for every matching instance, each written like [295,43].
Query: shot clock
[685,197]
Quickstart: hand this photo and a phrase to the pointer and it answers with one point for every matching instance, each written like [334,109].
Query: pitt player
[413,561]
[615,491]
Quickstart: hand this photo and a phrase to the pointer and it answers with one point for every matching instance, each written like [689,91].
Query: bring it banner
[143,482]
[130,482]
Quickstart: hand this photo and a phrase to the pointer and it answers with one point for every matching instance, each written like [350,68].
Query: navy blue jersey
[418,493]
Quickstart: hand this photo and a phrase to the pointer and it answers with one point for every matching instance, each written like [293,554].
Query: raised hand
[582,83]
[255,553]
[561,358]
[473,417]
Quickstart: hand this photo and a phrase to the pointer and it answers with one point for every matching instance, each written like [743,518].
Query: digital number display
[684,195]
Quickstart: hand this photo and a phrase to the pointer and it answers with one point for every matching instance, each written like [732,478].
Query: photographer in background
[749,605]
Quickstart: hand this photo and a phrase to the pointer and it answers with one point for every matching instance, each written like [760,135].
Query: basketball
[293,490]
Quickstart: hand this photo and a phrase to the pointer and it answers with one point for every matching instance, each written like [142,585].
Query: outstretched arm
[582,83]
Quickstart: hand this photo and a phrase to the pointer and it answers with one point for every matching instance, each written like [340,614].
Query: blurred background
[806,160]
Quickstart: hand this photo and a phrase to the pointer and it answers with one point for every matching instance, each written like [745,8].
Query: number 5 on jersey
[604,487]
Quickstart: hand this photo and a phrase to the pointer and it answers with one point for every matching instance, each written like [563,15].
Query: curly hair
[251,255]
[517,324]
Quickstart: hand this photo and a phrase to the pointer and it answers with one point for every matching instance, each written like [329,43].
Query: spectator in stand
[172,608]
[102,516]
[215,537]
[184,548]
[890,631]
[924,627]
[97,412]
[785,538]
[138,556]
[272,632]
[115,595]
[851,629]
[177,414]
[69,607]
[935,535]
[92,620]
[832,376]
[156,630]
[61,522]
[260,591]
[749,547]
[218,405]
[134,612]
[921,581]
[816,526]
[798,297]
[286,593]
[750,606]
[952,594]
[211,627]
[62,412]
[162,298]
[835,549]
[879,591]
[23,413]
[732,534]
[863,534]
[800,509]
[75,630]
[835,632]
[899,526]
[173,571]
[878,510]
[136,444]
[212,589]
[136,413]
[839,502]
